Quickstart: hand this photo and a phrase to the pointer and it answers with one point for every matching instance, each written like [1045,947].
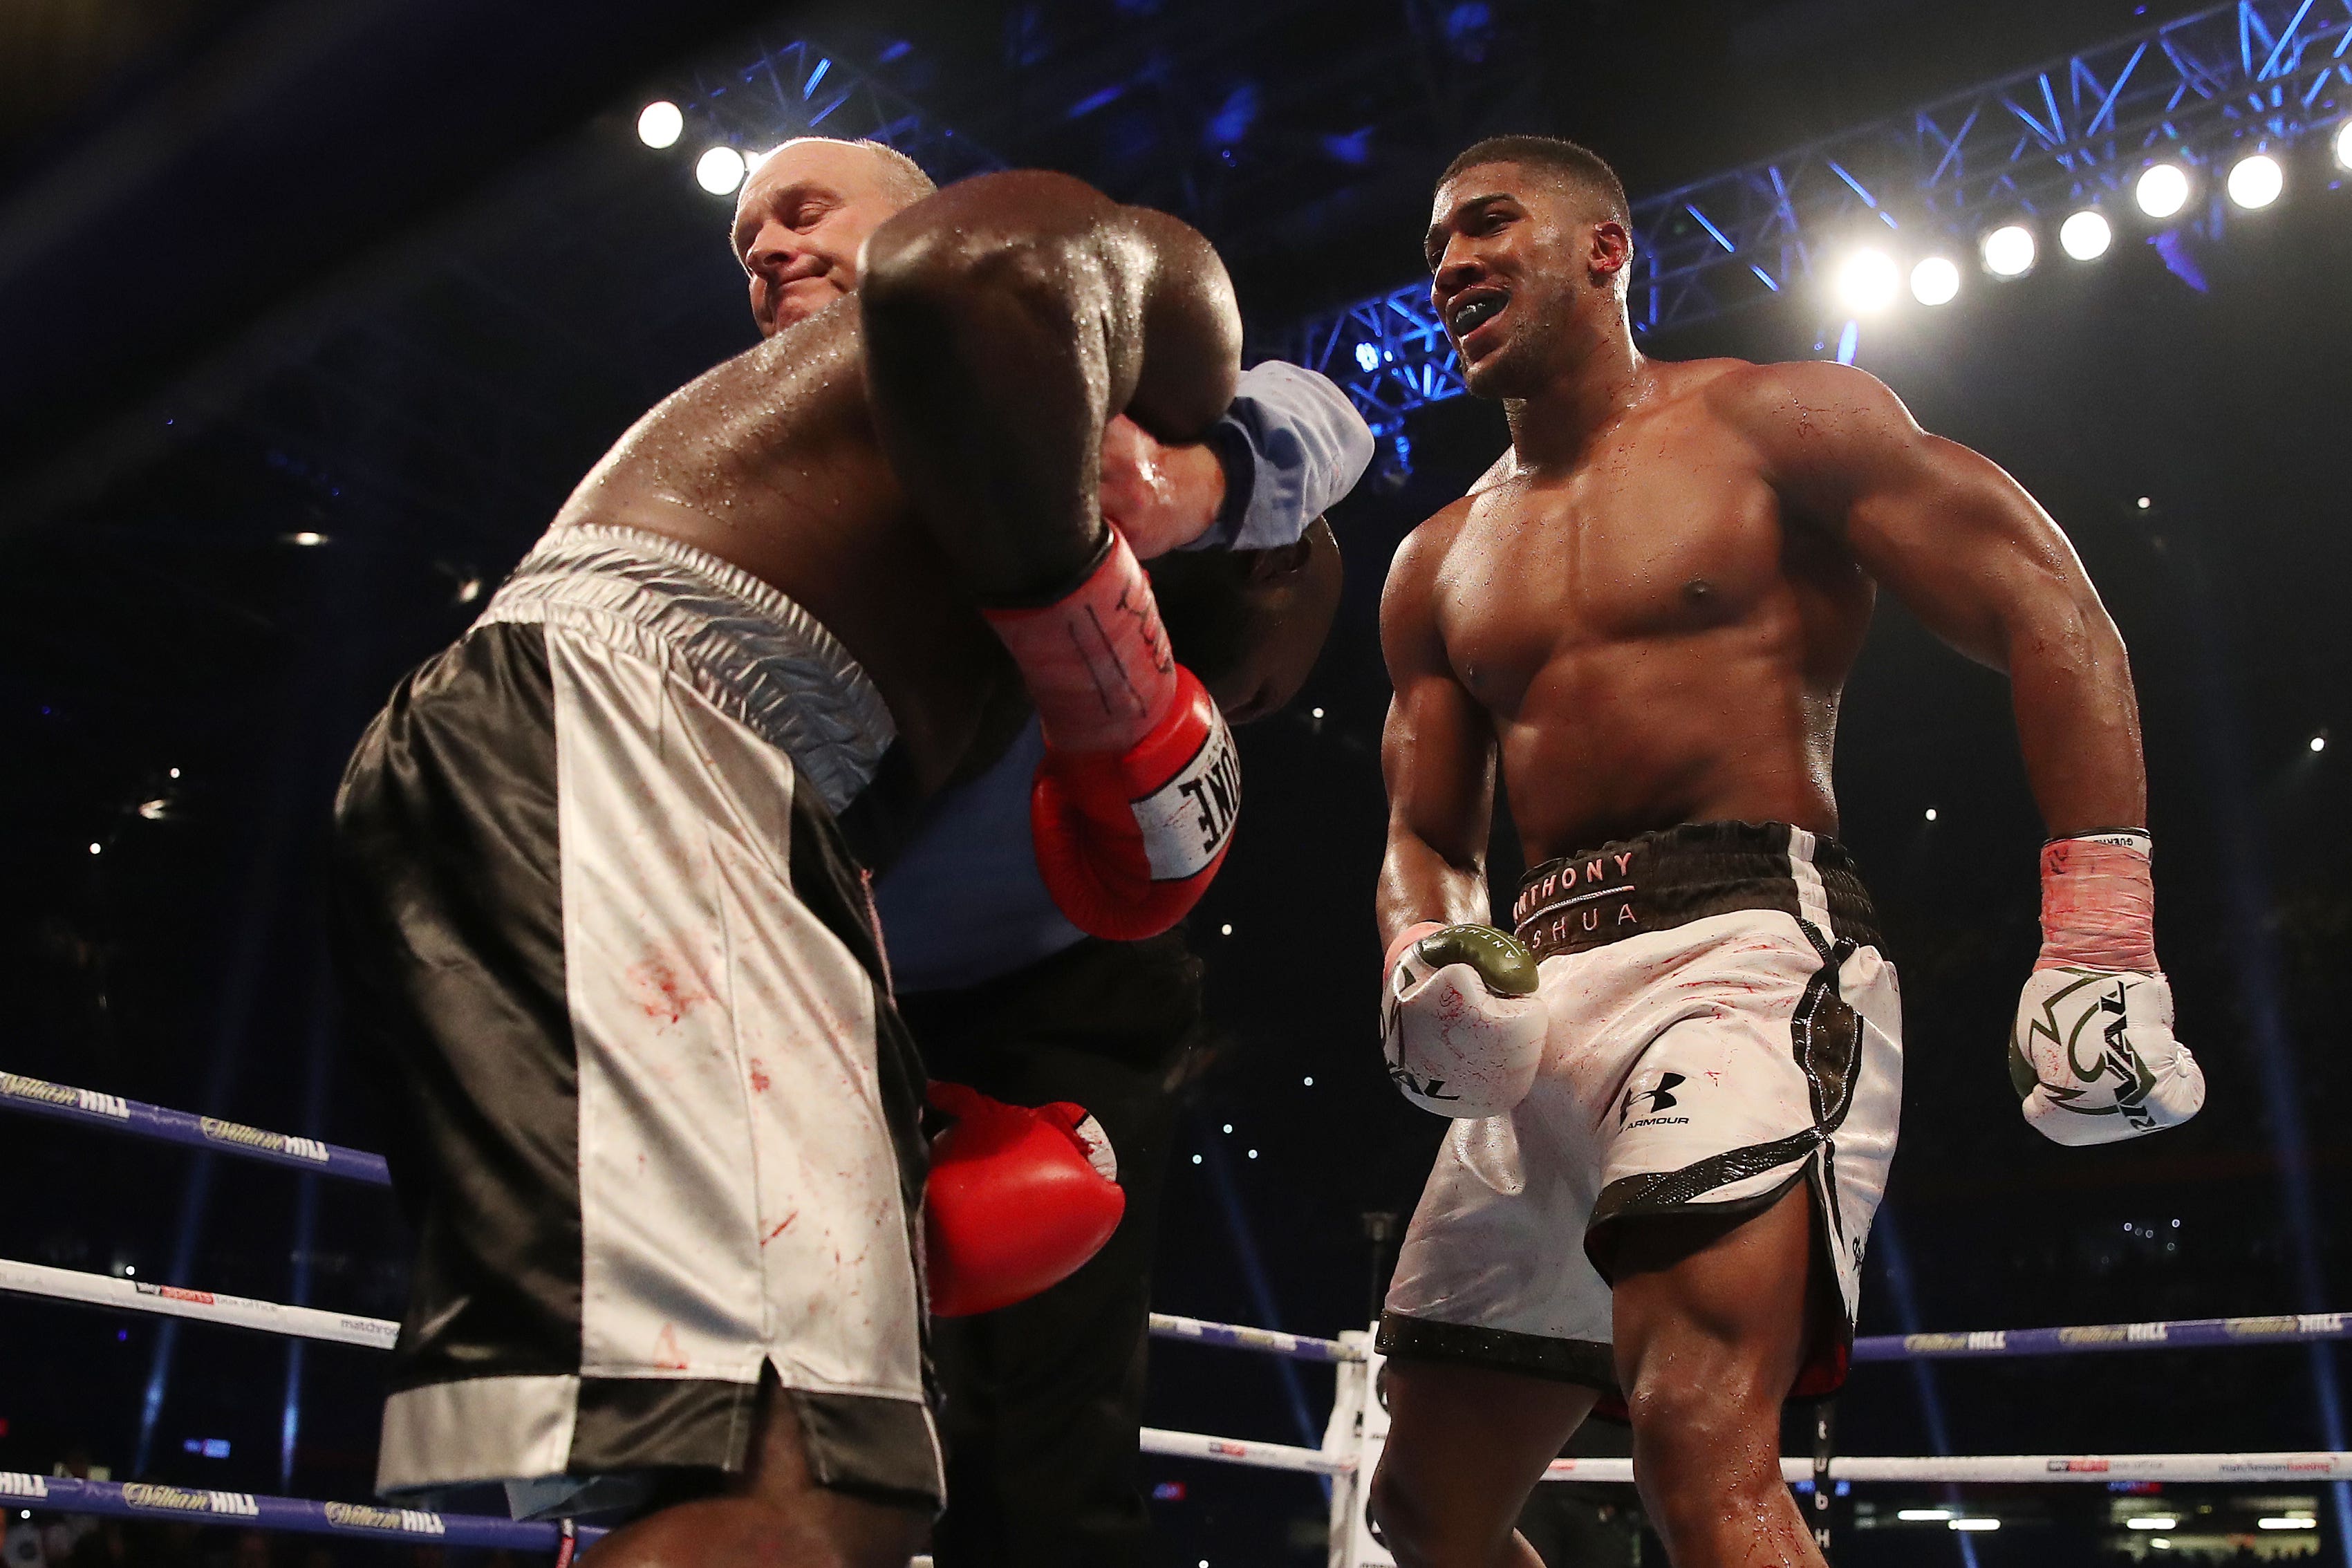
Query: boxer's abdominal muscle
[769,461]
[1651,639]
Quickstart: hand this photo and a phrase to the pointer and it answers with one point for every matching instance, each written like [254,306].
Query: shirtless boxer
[1042,1401]
[1677,1091]
[600,910]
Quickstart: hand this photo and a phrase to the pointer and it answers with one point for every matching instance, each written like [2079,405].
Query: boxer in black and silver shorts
[601,865]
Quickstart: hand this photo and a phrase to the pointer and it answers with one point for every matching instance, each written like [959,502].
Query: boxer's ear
[1613,252]
[1269,566]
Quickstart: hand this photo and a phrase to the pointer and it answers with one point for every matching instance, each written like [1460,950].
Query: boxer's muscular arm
[1437,757]
[1007,319]
[1978,561]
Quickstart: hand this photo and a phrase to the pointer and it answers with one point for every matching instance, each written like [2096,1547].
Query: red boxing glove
[1019,1198]
[1135,802]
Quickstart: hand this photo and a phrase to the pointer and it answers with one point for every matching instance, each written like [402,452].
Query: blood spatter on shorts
[666,988]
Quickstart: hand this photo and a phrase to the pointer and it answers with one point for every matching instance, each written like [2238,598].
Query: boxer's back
[770,462]
[1654,637]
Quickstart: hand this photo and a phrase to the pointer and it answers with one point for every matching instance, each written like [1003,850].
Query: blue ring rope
[133,1499]
[141,1119]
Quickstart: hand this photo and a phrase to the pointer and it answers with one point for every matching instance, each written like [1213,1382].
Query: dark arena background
[312,315]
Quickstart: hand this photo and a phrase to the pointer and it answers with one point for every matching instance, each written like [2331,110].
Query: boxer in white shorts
[1721,1026]
[1675,1091]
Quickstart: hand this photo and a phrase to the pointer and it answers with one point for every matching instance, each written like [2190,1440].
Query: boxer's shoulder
[1422,553]
[1798,405]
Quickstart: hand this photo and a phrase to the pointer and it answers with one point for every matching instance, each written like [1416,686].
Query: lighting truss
[2266,72]
[799,88]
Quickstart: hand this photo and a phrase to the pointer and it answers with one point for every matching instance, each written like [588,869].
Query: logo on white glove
[1455,1044]
[2094,1059]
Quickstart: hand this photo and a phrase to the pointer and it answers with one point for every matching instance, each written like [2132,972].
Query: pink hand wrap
[1405,939]
[1096,660]
[2098,903]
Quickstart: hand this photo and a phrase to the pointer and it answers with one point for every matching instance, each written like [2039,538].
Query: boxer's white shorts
[1706,1066]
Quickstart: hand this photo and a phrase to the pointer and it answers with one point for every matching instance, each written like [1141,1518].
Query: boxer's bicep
[1437,759]
[1969,551]
[1006,319]
[1986,569]
[1192,357]
[1979,563]
[1945,529]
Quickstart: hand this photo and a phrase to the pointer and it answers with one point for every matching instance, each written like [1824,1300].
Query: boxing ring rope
[1340,1457]
[204,1306]
[115,1114]
[137,1499]
[2179,1333]
[379,1333]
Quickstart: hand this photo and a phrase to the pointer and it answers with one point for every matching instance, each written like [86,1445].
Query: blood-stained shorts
[1723,1025]
[654,1116]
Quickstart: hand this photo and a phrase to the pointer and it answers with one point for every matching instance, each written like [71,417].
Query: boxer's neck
[1605,376]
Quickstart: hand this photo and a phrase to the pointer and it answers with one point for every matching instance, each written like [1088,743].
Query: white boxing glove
[2092,1053]
[1461,1024]
[2094,1059]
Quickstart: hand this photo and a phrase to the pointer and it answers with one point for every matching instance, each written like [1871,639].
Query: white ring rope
[170,1302]
[2012,1468]
[1242,1451]
[379,1333]
[1233,1336]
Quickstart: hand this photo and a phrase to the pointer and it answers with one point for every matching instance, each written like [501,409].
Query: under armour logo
[1661,1098]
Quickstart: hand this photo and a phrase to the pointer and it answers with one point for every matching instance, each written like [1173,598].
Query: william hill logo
[245,1137]
[15,1086]
[13,1483]
[179,1499]
[406,1521]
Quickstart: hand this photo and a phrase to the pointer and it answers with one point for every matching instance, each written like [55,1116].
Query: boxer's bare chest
[1665,530]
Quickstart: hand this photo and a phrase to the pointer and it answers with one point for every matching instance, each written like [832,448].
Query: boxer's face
[1514,254]
[799,222]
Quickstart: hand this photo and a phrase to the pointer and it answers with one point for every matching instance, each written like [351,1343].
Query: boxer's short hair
[1579,166]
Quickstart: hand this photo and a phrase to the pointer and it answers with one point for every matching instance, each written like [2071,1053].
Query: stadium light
[2287,1521]
[1979,1522]
[2344,145]
[720,170]
[2150,1521]
[1867,282]
[660,123]
[2256,180]
[2008,251]
[2163,190]
[2085,236]
[1923,1515]
[1935,281]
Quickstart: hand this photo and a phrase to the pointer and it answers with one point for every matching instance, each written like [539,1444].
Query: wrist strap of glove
[1096,660]
[1404,940]
[2098,902]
